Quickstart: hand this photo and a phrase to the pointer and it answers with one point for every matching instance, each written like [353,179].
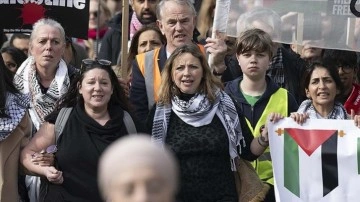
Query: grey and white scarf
[199,111]
[15,108]
[338,111]
[41,105]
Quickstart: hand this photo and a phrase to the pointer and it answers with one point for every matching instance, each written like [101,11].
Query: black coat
[111,42]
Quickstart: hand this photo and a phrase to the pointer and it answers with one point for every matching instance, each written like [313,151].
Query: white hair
[50,22]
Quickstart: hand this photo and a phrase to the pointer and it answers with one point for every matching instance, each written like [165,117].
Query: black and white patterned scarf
[338,112]
[41,104]
[276,69]
[15,108]
[198,111]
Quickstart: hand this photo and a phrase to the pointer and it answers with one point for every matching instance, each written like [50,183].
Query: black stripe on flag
[329,164]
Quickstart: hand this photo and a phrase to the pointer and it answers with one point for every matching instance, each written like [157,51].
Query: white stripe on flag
[310,168]
[311,186]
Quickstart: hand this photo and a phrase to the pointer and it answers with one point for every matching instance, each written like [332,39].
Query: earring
[174,89]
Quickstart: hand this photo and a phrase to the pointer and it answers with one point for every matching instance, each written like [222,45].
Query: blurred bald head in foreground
[133,169]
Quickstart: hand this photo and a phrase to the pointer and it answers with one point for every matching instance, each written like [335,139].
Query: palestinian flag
[316,162]
[309,141]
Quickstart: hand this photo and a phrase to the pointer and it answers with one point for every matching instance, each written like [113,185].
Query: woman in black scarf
[96,120]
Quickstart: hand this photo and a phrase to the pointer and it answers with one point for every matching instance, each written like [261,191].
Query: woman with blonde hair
[44,76]
[200,123]
[98,20]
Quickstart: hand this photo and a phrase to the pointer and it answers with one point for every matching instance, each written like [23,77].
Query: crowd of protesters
[63,107]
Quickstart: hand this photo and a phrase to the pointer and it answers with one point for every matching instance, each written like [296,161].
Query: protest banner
[18,16]
[220,21]
[332,24]
[317,161]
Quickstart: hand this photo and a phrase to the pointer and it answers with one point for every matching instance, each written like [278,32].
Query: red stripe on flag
[309,140]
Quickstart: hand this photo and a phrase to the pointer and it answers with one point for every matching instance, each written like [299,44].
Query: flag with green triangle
[317,161]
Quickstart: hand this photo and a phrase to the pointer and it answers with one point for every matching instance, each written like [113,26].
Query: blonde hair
[50,22]
[208,85]
[205,17]
[105,9]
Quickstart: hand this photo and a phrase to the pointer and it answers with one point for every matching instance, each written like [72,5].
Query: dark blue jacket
[294,68]
[254,113]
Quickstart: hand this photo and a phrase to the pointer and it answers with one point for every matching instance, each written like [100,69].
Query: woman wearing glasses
[200,123]
[97,26]
[96,120]
[346,64]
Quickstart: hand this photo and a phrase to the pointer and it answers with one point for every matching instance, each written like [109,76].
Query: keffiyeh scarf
[15,108]
[198,111]
[135,25]
[338,112]
[41,104]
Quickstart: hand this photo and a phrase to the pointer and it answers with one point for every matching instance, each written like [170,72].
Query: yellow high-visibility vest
[278,102]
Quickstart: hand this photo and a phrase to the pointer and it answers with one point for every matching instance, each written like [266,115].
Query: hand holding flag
[315,161]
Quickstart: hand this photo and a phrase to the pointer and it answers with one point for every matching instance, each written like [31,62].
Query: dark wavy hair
[6,86]
[332,71]
[340,58]
[72,97]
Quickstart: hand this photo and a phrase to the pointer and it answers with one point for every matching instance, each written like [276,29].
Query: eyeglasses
[51,149]
[346,69]
[86,63]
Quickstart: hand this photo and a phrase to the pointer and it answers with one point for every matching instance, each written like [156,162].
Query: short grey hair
[160,6]
[50,22]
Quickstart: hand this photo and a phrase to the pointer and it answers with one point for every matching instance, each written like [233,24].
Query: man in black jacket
[111,43]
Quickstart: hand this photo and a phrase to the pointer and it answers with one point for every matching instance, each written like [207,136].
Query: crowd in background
[205,115]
